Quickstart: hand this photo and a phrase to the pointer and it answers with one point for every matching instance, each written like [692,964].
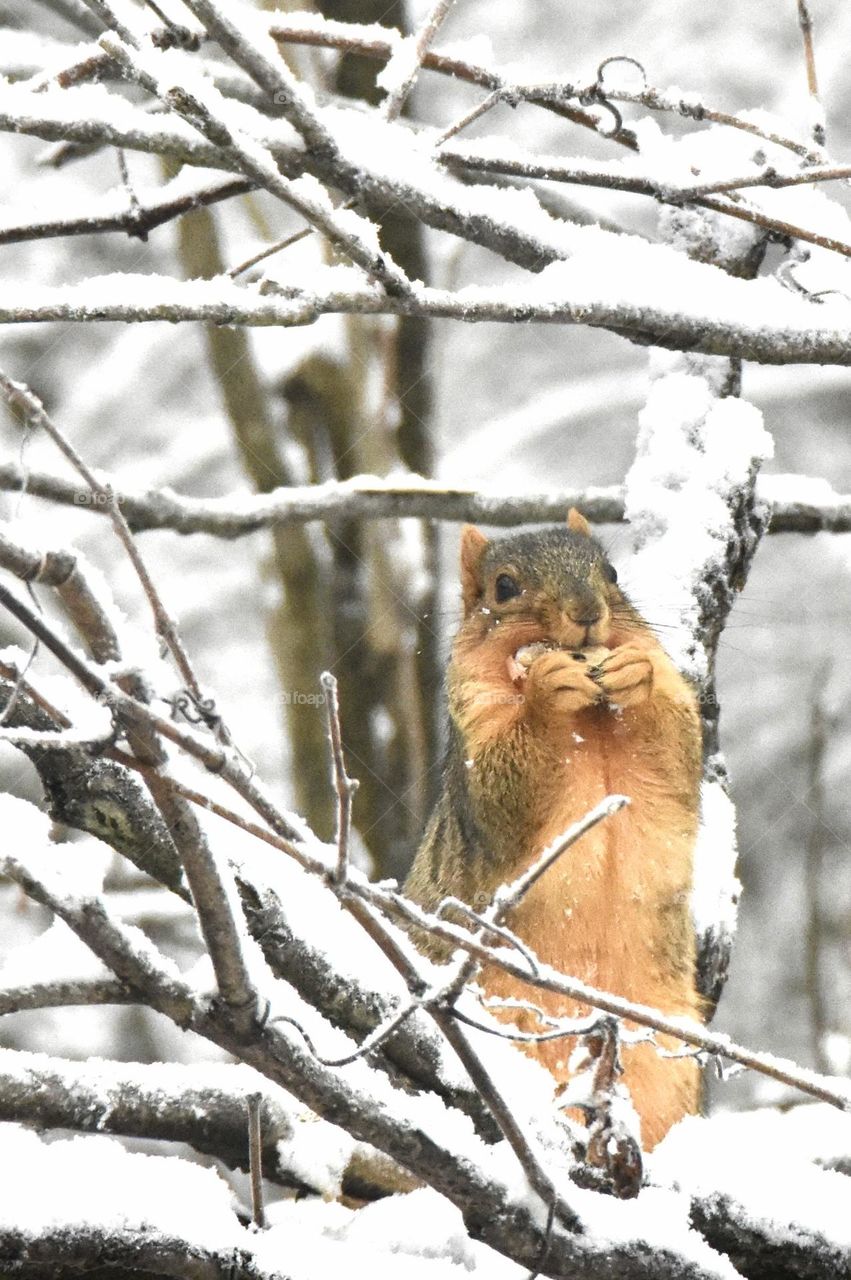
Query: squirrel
[537,737]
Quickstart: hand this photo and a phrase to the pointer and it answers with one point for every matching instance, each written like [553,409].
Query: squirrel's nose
[585,617]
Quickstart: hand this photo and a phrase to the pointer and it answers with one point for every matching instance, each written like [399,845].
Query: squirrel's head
[552,584]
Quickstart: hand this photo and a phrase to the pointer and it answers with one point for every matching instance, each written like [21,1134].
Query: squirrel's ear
[577,522]
[473,545]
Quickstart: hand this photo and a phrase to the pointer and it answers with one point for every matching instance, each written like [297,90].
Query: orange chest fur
[599,912]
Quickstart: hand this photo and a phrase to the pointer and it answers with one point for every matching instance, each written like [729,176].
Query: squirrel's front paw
[557,682]
[626,676]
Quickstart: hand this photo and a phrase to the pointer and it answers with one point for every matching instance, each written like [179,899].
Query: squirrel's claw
[626,677]
[556,682]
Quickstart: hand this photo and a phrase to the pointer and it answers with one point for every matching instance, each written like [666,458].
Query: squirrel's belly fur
[614,912]
[533,746]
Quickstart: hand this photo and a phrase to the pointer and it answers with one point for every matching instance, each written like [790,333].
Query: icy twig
[374,1041]
[691,108]
[453,906]
[568,1028]
[475,113]
[717,332]
[270,250]
[510,895]
[365,41]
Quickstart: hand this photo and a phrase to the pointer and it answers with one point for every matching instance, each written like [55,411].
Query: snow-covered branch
[204,1106]
[798,504]
[608,280]
[476,1178]
[784,329]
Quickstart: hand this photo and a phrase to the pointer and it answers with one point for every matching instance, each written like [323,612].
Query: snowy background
[515,405]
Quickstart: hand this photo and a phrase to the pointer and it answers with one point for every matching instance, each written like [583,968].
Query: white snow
[715,886]
[762,1162]
[93,1181]
[401,66]
[693,451]
[317,1152]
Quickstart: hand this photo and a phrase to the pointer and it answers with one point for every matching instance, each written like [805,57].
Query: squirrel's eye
[505,588]
[610,571]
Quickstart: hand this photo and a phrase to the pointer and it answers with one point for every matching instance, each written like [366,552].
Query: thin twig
[509,896]
[449,906]
[258,165]
[344,786]
[255,1157]
[805,23]
[475,113]
[277,247]
[138,220]
[553,171]
[573,1028]
[393,104]
[22,397]
[370,1044]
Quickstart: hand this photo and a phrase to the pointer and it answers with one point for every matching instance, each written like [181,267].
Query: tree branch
[202,1105]
[790,330]
[62,993]
[798,504]
[137,221]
